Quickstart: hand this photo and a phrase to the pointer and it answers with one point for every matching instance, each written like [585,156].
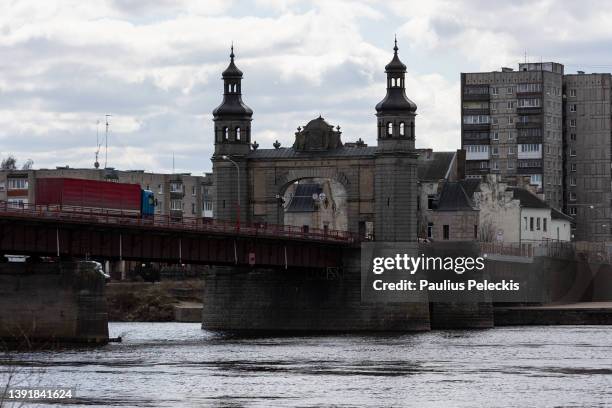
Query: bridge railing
[132,217]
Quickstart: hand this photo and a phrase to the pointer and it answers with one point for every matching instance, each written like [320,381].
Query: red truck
[68,193]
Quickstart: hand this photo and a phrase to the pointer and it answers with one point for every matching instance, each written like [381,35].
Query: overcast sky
[155,66]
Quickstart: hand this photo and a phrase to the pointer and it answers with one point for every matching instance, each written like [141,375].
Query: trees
[10,163]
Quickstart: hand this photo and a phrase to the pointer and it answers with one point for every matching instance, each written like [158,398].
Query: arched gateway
[378,183]
[317,182]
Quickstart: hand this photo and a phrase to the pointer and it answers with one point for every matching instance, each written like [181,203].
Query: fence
[90,215]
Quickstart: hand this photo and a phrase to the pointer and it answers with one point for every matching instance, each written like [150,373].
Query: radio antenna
[97,163]
[106,142]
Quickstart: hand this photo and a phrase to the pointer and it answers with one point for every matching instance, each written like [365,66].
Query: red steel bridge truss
[79,232]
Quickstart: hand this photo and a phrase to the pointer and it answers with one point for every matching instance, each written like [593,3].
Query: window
[530,147]
[511,135]
[529,88]
[176,187]
[572,180]
[572,166]
[531,223]
[475,119]
[573,107]
[572,152]
[226,133]
[530,103]
[494,150]
[17,183]
[475,231]
[544,224]
[430,201]
[510,104]
[390,129]
[495,166]
[494,91]
[495,135]
[572,136]
[511,150]
[572,196]
[193,208]
[430,229]
[2,186]
[538,223]
[160,189]
[572,211]
[193,190]
[510,119]
[238,136]
[176,205]
[573,93]
[401,129]
[510,165]
[446,232]
[572,122]
[509,90]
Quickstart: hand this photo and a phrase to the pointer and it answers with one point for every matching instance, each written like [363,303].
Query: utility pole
[106,143]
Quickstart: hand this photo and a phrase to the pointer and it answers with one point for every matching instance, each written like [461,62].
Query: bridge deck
[106,234]
[88,215]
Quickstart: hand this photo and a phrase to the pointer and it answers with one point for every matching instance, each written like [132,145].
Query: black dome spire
[232,105]
[395,65]
[232,70]
[396,100]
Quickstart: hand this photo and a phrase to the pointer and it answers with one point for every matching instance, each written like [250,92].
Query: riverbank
[150,302]
[583,313]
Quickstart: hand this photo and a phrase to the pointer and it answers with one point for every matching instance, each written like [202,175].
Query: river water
[180,365]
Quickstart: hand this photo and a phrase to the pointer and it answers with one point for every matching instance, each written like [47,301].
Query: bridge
[81,232]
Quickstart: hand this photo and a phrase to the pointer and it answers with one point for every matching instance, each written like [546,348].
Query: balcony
[529,139]
[177,189]
[532,124]
[529,155]
[477,168]
[476,138]
[477,156]
[529,167]
[476,111]
[476,93]
[476,97]
[477,126]
[537,94]
[529,110]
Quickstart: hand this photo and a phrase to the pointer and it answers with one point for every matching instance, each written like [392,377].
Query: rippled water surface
[179,365]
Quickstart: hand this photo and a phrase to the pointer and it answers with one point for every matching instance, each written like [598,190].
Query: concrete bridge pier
[274,300]
[47,303]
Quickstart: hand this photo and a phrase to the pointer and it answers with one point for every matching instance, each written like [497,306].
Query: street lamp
[224,157]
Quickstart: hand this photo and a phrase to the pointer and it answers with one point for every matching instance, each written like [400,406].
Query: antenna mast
[96,163]
[106,142]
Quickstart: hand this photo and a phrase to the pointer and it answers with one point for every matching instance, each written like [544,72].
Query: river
[180,365]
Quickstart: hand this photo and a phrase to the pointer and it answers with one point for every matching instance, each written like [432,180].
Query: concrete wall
[52,302]
[588,102]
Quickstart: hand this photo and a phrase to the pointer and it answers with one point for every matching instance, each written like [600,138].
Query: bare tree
[487,231]
[9,163]
[27,165]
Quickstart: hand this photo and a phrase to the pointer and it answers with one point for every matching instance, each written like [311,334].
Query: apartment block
[177,195]
[511,125]
[587,133]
